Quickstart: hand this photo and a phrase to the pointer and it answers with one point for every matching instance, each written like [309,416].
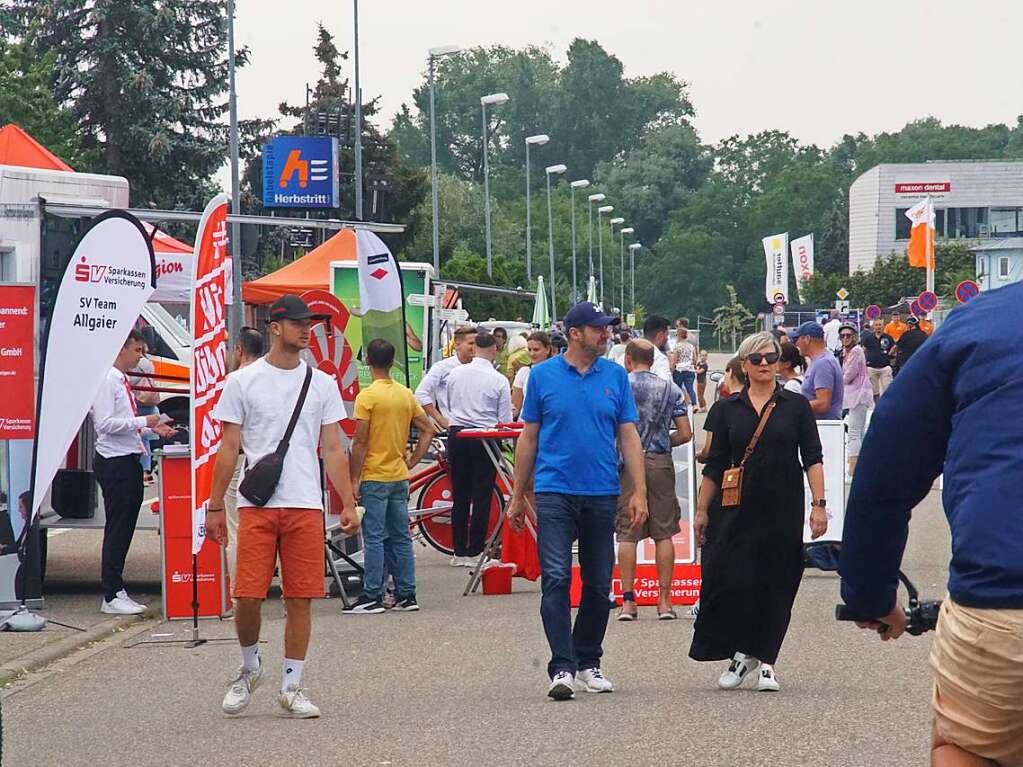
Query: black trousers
[120,479]
[472,480]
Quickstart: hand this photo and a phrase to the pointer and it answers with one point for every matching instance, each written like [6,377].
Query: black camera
[921,615]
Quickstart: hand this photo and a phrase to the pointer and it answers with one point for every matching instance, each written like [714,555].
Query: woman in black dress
[753,554]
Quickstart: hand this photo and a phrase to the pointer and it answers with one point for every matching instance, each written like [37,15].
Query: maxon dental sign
[301,172]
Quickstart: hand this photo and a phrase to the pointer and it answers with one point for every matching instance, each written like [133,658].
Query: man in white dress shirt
[432,392]
[118,468]
[655,330]
[479,397]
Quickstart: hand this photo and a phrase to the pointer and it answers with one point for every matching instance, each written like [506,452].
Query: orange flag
[921,237]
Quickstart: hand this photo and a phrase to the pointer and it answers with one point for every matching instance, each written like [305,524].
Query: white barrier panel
[832,434]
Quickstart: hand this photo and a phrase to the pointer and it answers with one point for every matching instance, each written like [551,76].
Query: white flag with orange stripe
[921,237]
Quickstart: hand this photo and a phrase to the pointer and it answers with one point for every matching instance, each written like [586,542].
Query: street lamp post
[494,99]
[236,317]
[434,54]
[555,169]
[589,214]
[539,140]
[358,118]
[616,221]
[580,184]
[621,281]
[632,272]
[600,246]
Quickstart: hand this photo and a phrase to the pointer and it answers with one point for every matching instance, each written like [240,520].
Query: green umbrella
[541,314]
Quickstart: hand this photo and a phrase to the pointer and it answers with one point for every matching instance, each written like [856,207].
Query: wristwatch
[822,503]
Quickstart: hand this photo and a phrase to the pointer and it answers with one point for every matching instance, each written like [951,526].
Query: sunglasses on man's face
[756,358]
[847,335]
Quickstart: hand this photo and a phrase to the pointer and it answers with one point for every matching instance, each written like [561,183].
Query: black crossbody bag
[260,482]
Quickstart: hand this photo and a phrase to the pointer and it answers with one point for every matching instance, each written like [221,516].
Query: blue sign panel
[301,172]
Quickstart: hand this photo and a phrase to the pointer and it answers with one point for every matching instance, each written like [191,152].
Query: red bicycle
[431,499]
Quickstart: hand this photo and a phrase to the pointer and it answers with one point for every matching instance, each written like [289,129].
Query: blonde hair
[757,341]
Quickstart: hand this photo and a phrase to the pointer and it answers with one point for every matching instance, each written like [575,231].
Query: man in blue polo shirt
[576,405]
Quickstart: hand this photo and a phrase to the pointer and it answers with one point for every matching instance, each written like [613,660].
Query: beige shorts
[662,503]
[977,657]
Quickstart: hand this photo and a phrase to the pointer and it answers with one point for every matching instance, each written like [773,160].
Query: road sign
[928,301]
[630,320]
[916,310]
[458,315]
[779,308]
[966,290]
[872,312]
[842,307]
[842,294]
[779,298]
[418,299]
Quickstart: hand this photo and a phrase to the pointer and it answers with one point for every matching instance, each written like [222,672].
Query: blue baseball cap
[810,329]
[585,313]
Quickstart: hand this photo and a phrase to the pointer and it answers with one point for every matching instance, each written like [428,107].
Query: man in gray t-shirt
[661,407]
[823,384]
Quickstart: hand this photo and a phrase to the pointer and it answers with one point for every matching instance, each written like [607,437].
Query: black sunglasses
[847,335]
[756,358]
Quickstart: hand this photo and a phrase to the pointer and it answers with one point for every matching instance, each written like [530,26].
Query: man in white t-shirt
[831,330]
[255,408]
[655,330]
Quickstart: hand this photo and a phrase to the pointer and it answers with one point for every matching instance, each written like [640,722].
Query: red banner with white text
[209,355]
[17,361]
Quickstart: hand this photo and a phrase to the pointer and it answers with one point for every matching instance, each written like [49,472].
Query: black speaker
[73,495]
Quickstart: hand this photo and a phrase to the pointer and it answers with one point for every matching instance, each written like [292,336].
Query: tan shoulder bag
[731,481]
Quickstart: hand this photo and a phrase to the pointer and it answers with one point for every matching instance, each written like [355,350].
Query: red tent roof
[310,272]
[164,243]
[19,148]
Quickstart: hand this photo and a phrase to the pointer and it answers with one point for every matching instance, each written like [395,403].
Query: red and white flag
[209,354]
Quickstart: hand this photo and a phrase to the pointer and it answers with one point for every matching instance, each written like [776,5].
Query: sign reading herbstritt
[17,347]
[100,296]
[301,172]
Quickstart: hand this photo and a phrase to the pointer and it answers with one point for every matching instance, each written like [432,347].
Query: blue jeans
[386,506]
[561,519]
[684,380]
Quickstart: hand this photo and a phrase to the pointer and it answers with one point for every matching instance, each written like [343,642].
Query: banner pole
[196,641]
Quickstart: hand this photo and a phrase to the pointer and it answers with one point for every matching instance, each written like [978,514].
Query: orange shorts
[296,535]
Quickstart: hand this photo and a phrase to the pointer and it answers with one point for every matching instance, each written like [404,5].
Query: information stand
[491,440]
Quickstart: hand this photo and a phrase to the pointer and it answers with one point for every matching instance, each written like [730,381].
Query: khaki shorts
[662,503]
[977,657]
[296,535]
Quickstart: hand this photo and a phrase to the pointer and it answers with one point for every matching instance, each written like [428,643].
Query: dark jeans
[684,380]
[472,483]
[561,520]
[120,479]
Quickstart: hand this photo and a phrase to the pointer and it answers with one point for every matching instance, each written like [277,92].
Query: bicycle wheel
[436,529]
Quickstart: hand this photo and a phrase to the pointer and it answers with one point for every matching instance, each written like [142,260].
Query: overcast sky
[816,68]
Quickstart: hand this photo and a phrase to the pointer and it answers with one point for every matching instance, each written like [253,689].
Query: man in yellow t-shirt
[384,411]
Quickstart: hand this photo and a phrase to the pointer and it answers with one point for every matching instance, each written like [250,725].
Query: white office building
[977,200]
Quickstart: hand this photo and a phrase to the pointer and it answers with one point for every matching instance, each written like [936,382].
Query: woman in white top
[539,347]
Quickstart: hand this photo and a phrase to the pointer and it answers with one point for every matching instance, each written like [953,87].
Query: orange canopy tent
[311,272]
[19,148]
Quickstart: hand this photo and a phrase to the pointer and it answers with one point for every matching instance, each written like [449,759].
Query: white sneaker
[562,686]
[239,694]
[767,681]
[593,681]
[694,611]
[293,704]
[741,667]
[124,595]
[455,562]
[119,606]
[463,561]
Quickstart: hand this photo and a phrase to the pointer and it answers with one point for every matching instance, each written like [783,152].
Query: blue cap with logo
[809,329]
[585,313]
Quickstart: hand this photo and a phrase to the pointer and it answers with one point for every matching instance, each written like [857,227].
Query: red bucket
[497,579]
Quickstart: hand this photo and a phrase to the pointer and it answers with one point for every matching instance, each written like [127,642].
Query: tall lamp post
[358,118]
[621,282]
[632,272]
[539,140]
[589,213]
[434,54]
[493,99]
[558,170]
[236,317]
[600,246]
[580,184]
[616,221]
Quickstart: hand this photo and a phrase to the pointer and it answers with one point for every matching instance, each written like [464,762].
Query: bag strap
[282,446]
[760,430]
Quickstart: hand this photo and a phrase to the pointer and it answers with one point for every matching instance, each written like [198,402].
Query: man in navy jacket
[961,395]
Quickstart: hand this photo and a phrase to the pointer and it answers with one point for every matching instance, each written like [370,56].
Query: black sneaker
[364,605]
[406,605]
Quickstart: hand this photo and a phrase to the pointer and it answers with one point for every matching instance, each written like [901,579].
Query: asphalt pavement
[462,683]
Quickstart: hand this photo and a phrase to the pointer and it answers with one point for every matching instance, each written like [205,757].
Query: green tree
[147,84]
[731,319]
